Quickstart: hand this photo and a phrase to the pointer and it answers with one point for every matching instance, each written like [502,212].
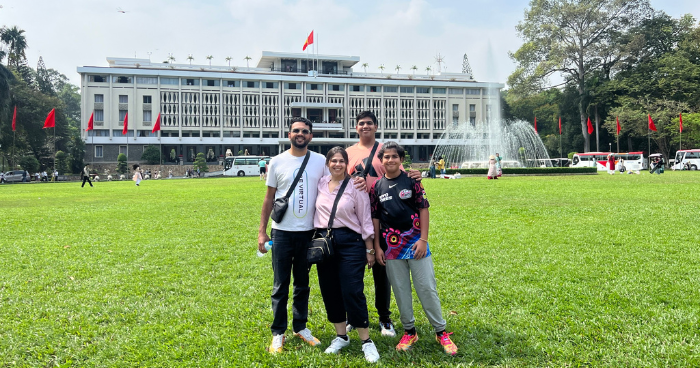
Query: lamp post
[610,146]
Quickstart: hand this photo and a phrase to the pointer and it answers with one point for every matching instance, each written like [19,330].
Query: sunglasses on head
[302,131]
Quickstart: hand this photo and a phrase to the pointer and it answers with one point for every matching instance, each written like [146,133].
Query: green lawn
[532,271]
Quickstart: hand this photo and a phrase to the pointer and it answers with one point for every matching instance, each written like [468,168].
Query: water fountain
[469,146]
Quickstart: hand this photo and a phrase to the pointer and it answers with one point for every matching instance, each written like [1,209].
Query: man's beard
[298,145]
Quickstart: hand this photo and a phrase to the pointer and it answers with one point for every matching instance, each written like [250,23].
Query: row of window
[275,85]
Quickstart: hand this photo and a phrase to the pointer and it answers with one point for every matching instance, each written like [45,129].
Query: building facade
[212,109]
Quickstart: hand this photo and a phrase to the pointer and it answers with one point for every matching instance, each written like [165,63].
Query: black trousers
[289,259]
[382,292]
[86,178]
[341,279]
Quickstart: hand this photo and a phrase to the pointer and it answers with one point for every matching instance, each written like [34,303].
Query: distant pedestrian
[441,165]
[493,173]
[170,173]
[499,168]
[55,175]
[44,176]
[263,169]
[86,175]
[137,174]
[432,167]
[611,164]
[24,176]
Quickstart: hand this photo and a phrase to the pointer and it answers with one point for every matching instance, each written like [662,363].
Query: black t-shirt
[396,202]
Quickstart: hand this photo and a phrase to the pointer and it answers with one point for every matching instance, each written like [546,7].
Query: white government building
[212,109]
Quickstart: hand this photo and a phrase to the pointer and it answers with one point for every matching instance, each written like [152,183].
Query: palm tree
[171,58]
[365,65]
[190,58]
[414,68]
[427,70]
[16,42]
[209,57]
[247,59]
[398,67]
[228,58]
[381,67]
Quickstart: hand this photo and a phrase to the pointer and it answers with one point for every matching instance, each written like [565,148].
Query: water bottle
[268,246]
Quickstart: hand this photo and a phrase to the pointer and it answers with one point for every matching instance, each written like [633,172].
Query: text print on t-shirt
[299,199]
[385,197]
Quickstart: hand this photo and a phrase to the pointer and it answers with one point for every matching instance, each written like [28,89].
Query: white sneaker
[306,335]
[371,353]
[387,329]
[336,345]
[276,345]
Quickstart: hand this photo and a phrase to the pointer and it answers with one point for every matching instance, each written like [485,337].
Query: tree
[228,59]
[209,57]
[151,155]
[171,58]
[381,67]
[77,153]
[574,38]
[16,43]
[62,162]
[29,163]
[397,68]
[121,164]
[414,68]
[200,163]
[365,66]
[427,70]
[247,59]
[190,58]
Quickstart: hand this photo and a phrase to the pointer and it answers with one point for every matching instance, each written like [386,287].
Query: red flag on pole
[14,120]
[618,125]
[680,116]
[126,124]
[651,123]
[309,40]
[156,126]
[560,125]
[90,122]
[590,126]
[535,124]
[50,121]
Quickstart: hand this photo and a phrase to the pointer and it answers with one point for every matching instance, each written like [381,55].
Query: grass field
[532,271]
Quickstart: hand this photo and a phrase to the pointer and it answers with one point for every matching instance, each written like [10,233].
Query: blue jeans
[341,279]
[432,172]
[289,258]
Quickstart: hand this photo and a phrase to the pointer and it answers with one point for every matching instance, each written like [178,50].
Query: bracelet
[425,240]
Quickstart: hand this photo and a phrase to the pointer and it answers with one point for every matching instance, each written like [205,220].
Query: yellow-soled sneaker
[276,345]
[306,335]
[446,342]
[406,342]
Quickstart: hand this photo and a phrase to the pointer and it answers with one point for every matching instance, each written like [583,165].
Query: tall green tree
[573,38]
[17,44]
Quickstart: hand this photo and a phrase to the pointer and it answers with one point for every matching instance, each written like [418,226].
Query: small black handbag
[321,245]
[279,208]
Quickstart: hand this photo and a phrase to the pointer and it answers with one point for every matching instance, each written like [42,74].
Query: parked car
[15,176]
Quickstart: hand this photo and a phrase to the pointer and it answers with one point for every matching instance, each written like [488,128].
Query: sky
[73,33]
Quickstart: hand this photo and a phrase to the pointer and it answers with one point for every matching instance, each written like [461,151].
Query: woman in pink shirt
[341,278]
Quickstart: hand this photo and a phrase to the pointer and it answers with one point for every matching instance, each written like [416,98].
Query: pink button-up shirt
[353,209]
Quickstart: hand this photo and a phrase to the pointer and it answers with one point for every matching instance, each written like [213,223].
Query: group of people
[437,164]
[381,221]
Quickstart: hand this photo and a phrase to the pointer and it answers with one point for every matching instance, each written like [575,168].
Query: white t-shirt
[302,203]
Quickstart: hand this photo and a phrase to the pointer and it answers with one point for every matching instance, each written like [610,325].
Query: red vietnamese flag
[50,121]
[560,125]
[618,125]
[309,40]
[126,124]
[590,126]
[535,124]
[90,122]
[14,120]
[651,123]
[156,126]
[680,116]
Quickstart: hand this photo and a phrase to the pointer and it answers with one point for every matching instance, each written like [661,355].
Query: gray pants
[399,272]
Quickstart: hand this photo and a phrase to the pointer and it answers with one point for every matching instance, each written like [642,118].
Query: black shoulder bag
[359,171]
[279,208]
[321,245]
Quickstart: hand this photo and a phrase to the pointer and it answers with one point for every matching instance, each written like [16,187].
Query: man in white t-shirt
[291,236]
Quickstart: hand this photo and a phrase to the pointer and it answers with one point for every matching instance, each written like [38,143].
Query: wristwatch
[370,251]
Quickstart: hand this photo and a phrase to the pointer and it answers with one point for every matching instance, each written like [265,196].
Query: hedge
[526,170]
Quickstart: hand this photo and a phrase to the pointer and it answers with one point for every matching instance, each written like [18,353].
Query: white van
[243,165]
[687,160]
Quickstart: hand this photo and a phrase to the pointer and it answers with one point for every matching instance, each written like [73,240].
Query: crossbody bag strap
[371,158]
[299,174]
[335,204]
